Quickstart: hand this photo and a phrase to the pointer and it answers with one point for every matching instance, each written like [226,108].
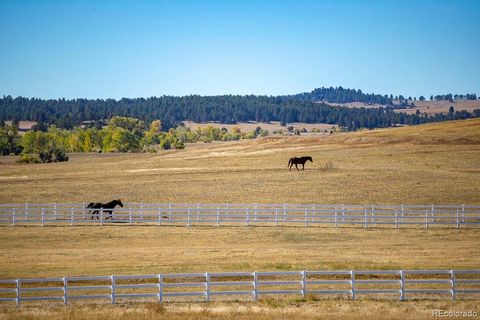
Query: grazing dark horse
[301,160]
[107,207]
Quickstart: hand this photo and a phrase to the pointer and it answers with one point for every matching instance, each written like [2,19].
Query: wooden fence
[381,284]
[424,216]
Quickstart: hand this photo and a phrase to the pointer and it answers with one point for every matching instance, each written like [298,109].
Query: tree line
[172,111]
[120,134]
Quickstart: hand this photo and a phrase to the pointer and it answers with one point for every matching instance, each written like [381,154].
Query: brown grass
[271,127]
[58,251]
[436,163]
[338,309]
[432,107]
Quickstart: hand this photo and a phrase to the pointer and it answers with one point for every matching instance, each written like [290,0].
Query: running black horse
[107,207]
[301,160]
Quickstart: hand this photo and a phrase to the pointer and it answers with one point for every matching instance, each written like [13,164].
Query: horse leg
[303,166]
[296,166]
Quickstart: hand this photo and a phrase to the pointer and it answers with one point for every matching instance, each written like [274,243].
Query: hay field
[437,163]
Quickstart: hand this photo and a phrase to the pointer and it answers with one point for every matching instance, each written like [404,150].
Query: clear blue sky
[101,49]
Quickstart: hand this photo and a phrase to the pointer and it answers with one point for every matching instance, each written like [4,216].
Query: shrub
[28,158]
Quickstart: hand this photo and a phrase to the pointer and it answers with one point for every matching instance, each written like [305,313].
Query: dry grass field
[428,107]
[432,107]
[271,127]
[437,163]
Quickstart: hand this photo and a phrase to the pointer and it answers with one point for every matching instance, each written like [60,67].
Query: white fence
[382,284]
[244,214]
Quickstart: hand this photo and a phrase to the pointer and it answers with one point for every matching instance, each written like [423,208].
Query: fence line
[383,284]
[425,216]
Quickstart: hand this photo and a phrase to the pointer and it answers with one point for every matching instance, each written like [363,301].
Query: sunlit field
[438,163]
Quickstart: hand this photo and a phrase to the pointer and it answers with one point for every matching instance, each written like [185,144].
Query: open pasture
[436,163]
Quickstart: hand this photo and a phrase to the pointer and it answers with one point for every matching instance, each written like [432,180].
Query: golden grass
[432,107]
[267,309]
[436,163]
[72,251]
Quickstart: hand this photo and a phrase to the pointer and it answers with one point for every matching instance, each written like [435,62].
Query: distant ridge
[305,107]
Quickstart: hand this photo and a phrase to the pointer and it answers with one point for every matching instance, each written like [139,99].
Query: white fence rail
[382,284]
[425,216]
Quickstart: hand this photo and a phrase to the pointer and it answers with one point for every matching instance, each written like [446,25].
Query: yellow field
[438,163]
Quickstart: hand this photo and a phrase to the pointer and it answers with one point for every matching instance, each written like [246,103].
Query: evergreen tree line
[451,98]
[225,109]
[342,95]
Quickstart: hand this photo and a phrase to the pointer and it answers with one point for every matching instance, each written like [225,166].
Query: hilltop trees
[172,111]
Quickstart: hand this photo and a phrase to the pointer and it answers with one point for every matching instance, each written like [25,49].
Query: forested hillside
[226,109]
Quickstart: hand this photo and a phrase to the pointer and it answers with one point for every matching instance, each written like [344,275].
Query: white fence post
[276,217]
[365,211]
[306,218]
[314,213]
[159,216]
[101,216]
[160,287]
[402,285]
[402,214]
[19,293]
[336,218]
[432,213]
[71,217]
[284,212]
[43,217]
[463,213]
[55,211]
[65,290]
[343,213]
[304,283]
[458,221]
[255,286]
[26,211]
[373,215]
[426,219]
[207,287]
[352,274]
[218,218]
[141,211]
[13,216]
[255,213]
[454,285]
[112,278]
[130,214]
[396,219]
[83,210]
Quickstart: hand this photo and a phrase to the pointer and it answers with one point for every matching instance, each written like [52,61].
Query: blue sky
[115,49]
